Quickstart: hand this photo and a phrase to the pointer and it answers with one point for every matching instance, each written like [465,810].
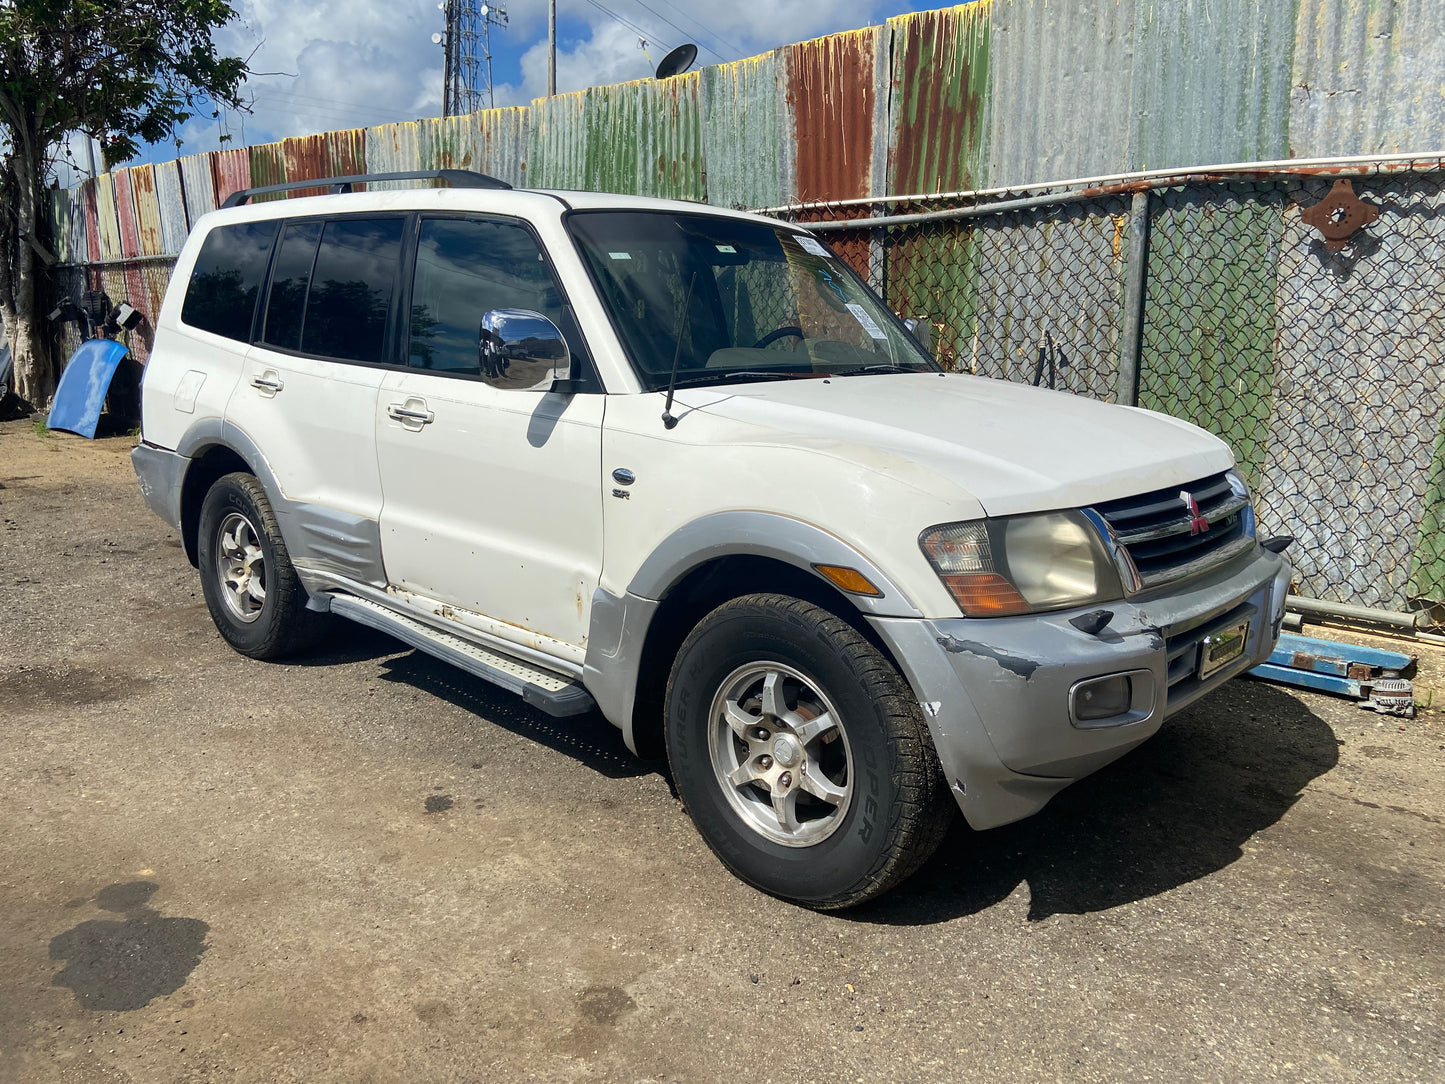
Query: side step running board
[553,693]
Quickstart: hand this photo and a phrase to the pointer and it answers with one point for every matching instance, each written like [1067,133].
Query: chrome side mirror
[921,329]
[521,350]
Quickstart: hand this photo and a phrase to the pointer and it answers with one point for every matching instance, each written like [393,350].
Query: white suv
[679,465]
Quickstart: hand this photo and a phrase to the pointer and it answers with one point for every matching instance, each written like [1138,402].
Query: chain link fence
[1217,299]
[90,288]
[1211,298]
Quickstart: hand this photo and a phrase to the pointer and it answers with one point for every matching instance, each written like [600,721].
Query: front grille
[1166,541]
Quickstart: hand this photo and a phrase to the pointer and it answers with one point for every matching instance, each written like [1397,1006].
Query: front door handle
[413,413]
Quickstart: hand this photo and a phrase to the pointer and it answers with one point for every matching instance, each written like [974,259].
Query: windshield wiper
[880,367]
[722,376]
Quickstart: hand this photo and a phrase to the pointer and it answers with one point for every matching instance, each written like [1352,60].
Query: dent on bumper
[995,692]
[160,473]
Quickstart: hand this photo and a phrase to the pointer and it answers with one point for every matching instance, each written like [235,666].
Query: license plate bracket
[1221,648]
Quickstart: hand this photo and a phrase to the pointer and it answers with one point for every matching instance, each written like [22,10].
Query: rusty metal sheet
[938,99]
[268,166]
[1210,82]
[740,108]
[198,185]
[1366,78]
[232,171]
[393,148]
[90,200]
[304,157]
[68,224]
[106,220]
[556,144]
[1058,96]
[147,210]
[172,204]
[125,213]
[831,87]
[642,138]
[490,141]
[331,154]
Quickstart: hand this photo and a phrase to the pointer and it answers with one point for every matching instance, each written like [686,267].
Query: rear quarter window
[225,282]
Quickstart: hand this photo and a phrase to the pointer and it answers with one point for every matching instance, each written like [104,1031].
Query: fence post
[878,255]
[1131,335]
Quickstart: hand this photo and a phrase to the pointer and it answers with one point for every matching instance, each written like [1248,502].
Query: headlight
[1022,564]
[1239,489]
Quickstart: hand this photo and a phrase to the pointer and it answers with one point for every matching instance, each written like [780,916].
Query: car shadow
[344,642]
[1178,808]
[588,739]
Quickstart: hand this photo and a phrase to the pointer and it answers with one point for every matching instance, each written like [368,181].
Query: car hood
[1011,447]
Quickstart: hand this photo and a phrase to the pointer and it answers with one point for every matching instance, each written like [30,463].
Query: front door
[491,484]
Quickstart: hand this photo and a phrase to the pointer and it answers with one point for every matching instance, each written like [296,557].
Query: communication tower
[467,44]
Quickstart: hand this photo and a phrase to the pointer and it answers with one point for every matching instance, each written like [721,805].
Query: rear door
[307,395]
[492,484]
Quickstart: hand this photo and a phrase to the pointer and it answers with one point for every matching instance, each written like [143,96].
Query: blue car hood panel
[81,394]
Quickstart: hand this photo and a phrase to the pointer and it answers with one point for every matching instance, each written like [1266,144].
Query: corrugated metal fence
[1319,370]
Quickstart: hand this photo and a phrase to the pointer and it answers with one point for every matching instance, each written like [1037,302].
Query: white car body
[500,521]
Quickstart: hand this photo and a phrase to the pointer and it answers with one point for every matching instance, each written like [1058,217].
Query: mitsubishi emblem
[1197,523]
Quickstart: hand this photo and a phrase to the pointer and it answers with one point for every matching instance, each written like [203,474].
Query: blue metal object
[1328,665]
[83,385]
[1327,683]
[1299,648]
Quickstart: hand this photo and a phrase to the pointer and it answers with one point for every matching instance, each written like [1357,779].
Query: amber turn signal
[984,594]
[849,579]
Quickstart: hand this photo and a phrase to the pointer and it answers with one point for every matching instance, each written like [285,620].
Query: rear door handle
[413,413]
[268,383]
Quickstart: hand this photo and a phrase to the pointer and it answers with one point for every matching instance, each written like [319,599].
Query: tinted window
[352,289]
[286,301]
[227,277]
[466,268]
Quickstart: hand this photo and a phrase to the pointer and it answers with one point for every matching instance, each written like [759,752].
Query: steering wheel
[776,334]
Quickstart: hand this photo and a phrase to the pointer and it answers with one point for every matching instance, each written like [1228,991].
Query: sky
[325,64]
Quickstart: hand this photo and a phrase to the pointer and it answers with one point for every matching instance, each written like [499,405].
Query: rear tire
[801,754]
[254,595]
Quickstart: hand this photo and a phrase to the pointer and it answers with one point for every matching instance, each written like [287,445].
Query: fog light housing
[1112,700]
[1103,697]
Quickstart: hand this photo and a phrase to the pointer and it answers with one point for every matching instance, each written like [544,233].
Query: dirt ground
[367,866]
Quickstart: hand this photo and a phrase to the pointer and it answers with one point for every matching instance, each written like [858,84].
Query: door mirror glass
[922,330]
[521,350]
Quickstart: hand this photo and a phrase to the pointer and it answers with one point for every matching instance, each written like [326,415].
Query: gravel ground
[368,866]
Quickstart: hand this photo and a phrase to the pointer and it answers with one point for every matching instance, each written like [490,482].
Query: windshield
[734,300]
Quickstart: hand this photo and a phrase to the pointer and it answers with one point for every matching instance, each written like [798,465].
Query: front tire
[801,754]
[254,595]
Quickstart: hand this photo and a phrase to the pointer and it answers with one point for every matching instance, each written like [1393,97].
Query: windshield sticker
[829,290]
[866,322]
[620,255]
[726,248]
[807,244]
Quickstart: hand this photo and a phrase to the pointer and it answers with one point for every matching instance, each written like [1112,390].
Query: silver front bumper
[996,691]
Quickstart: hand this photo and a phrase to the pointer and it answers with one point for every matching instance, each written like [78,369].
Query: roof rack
[457,178]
